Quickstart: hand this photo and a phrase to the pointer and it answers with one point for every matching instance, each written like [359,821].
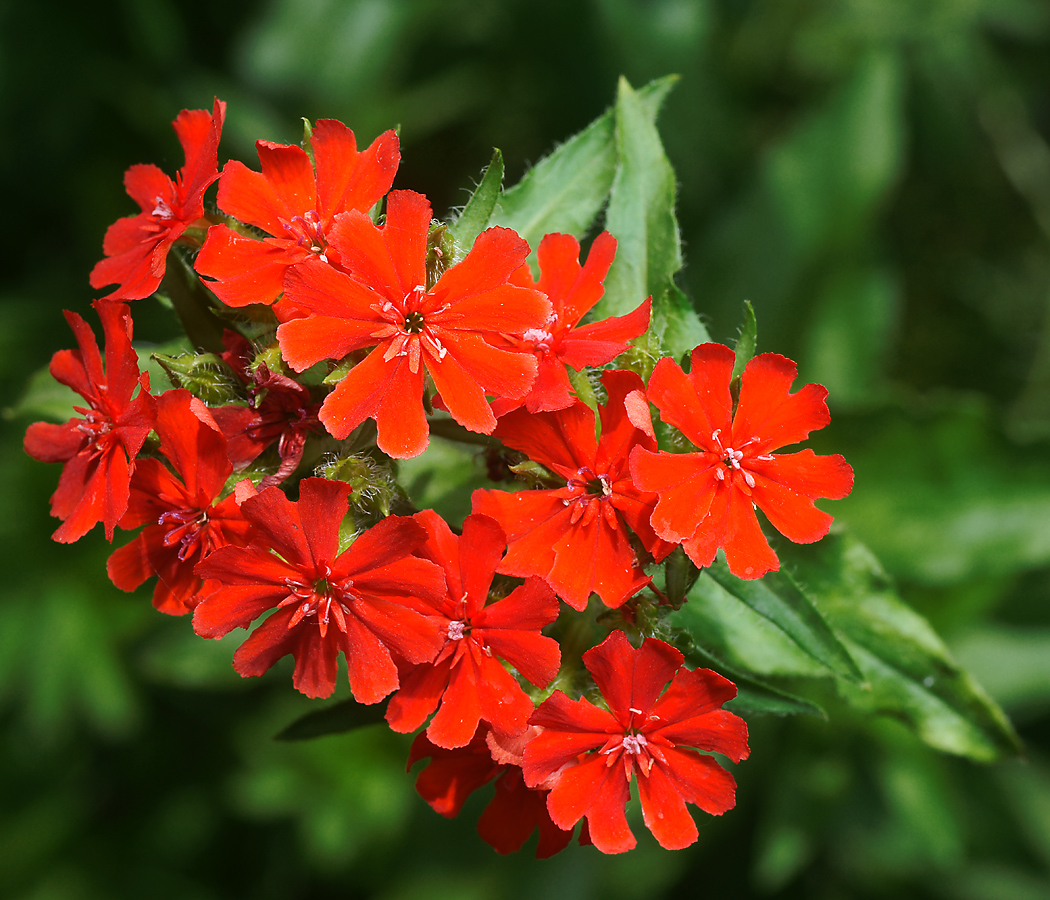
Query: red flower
[367,601]
[98,448]
[707,498]
[575,537]
[467,677]
[294,200]
[444,331]
[572,289]
[587,756]
[137,247]
[280,409]
[513,813]
[183,522]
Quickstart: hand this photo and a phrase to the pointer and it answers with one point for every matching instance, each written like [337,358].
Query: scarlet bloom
[294,201]
[368,601]
[444,330]
[576,536]
[708,498]
[572,290]
[98,448]
[280,410]
[467,677]
[137,247]
[587,756]
[513,813]
[184,521]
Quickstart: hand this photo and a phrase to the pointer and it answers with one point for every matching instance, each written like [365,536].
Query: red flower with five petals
[183,522]
[137,247]
[708,498]
[384,302]
[99,448]
[294,201]
[552,531]
[573,290]
[369,601]
[587,756]
[467,677]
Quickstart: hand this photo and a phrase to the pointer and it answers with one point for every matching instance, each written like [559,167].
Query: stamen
[634,743]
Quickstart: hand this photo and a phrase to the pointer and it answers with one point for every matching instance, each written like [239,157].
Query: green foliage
[476,215]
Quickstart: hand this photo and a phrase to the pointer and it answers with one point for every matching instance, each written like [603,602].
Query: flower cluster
[263,481]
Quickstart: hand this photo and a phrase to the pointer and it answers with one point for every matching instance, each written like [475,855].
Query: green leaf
[336,719]
[45,398]
[907,669]
[641,217]
[721,624]
[476,214]
[755,696]
[778,598]
[564,192]
[675,327]
[747,341]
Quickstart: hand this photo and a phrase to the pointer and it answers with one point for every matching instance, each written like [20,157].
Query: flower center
[414,322]
[320,597]
[187,528]
[306,229]
[456,630]
[634,743]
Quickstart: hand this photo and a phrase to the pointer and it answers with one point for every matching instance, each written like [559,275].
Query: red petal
[619,433]
[601,342]
[192,441]
[768,411]
[564,441]
[587,288]
[384,544]
[496,254]
[280,527]
[457,719]
[128,566]
[365,254]
[664,812]
[551,391]
[347,179]
[387,392]
[322,506]
[697,404]
[697,779]
[372,672]
[747,551]
[418,696]
[480,551]
[514,813]
[249,196]
[631,679]
[145,184]
[511,628]
[290,174]
[405,232]
[687,489]
[599,792]
[452,776]
[53,443]
[570,727]
[245,270]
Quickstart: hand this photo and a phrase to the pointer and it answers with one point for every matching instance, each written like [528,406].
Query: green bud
[205,376]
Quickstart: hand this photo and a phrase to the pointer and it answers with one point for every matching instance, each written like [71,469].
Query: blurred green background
[873,175]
